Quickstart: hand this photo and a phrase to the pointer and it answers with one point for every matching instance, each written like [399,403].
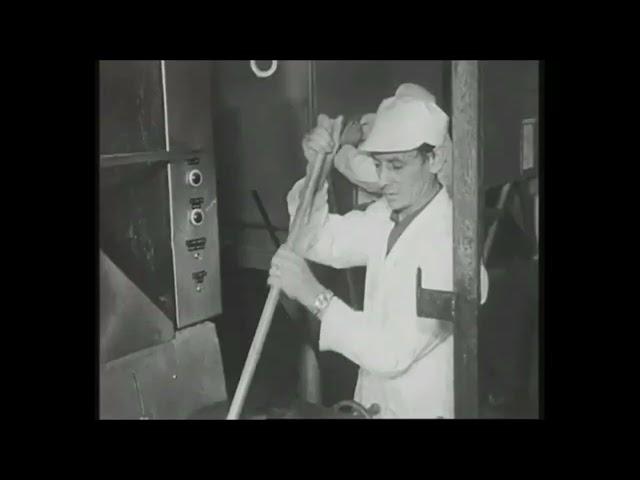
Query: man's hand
[352,134]
[323,139]
[290,272]
[318,141]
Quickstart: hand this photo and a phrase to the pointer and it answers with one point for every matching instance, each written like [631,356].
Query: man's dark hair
[425,150]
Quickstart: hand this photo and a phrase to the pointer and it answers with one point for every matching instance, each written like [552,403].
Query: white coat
[406,362]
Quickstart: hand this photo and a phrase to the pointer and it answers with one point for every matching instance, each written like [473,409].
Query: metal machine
[159,251]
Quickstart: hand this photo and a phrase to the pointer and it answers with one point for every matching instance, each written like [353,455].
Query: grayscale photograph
[318,239]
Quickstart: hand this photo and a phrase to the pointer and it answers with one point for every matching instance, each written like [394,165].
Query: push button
[197,216]
[195,178]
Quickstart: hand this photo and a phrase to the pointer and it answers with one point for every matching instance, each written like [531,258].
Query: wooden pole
[504,194]
[309,190]
[466,171]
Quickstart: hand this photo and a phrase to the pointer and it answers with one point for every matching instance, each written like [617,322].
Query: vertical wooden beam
[310,383]
[466,214]
[446,87]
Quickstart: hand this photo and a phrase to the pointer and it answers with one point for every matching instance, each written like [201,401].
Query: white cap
[404,123]
[415,91]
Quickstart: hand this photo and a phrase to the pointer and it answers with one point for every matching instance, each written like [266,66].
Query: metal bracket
[120,159]
[437,304]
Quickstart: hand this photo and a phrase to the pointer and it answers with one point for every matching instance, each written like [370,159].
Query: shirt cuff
[333,321]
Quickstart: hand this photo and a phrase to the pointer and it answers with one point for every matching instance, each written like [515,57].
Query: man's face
[403,177]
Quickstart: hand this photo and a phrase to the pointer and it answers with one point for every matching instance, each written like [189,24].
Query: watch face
[321,302]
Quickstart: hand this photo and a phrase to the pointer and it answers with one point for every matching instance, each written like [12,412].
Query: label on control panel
[193,161]
[199,276]
[196,244]
[196,202]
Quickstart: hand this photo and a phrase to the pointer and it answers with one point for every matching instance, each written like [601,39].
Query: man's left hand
[290,272]
[352,134]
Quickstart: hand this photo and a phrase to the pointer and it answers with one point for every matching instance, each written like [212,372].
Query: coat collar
[432,214]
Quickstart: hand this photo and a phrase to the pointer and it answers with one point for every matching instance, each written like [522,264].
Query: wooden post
[310,384]
[466,172]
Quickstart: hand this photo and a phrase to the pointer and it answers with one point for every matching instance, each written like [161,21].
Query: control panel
[194,220]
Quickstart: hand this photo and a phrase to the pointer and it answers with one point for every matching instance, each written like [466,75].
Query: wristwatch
[322,302]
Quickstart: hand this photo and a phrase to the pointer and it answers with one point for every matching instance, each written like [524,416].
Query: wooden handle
[254,354]
[310,187]
[492,230]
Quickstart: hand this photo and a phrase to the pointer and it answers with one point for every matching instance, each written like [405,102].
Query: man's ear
[435,162]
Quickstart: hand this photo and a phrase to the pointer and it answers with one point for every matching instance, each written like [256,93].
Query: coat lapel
[418,226]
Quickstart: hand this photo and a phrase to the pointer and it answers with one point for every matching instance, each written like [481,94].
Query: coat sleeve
[358,168]
[340,241]
[386,352]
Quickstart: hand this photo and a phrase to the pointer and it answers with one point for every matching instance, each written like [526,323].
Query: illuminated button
[197,255]
[197,216]
[195,178]
[198,288]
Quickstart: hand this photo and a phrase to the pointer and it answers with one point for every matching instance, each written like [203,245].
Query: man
[406,361]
